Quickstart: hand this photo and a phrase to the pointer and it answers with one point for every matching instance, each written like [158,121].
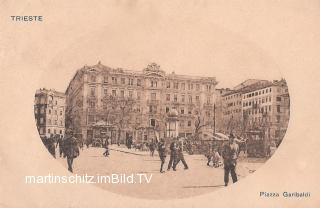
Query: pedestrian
[130,141]
[180,157]
[87,143]
[71,149]
[44,140]
[106,146]
[152,147]
[230,154]
[216,158]
[162,153]
[81,144]
[268,151]
[60,143]
[209,155]
[173,153]
[51,146]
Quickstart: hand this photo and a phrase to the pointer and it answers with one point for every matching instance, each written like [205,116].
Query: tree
[199,124]
[118,111]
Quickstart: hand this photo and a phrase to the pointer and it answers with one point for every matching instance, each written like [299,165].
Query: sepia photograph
[182,131]
[144,103]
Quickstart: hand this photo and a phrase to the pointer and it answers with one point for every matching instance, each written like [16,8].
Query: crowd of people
[68,146]
[226,156]
[176,154]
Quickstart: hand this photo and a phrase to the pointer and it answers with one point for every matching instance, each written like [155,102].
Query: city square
[111,120]
[198,179]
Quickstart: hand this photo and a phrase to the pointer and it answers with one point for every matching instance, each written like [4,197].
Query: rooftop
[50,91]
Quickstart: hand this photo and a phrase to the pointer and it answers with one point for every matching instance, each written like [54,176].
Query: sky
[187,40]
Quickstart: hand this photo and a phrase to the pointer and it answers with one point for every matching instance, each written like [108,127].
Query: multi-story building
[49,110]
[255,104]
[232,111]
[267,106]
[144,99]
[220,109]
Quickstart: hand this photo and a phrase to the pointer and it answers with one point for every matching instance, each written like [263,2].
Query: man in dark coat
[152,147]
[106,146]
[230,154]
[180,157]
[130,141]
[60,143]
[51,146]
[173,153]
[162,154]
[71,149]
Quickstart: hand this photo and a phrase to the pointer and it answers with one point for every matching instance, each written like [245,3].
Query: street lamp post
[214,118]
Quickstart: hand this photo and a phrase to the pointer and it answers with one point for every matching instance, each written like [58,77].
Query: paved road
[198,179]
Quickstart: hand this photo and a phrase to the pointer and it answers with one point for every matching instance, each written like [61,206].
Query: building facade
[268,107]
[220,109]
[259,105]
[49,110]
[136,103]
[232,112]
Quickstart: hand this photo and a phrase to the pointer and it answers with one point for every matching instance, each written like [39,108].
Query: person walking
[88,141]
[106,146]
[130,141]
[51,146]
[60,143]
[230,155]
[152,147]
[180,157]
[162,154]
[71,149]
[173,153]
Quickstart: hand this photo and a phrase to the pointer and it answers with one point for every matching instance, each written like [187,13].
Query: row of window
[260,92]
[114,93]
[232,111]
[49,131]
[259,120]
[267,119]
[42,111]
[257,101]
[234,103]
[55,112]
[91,119]
[51,122]
[183,98]
[184,86]
[152,95]
[55,122]
[114,80]
[42,100]
[153,83]
[259,110]
[182,123]
[262,109]
[232,96]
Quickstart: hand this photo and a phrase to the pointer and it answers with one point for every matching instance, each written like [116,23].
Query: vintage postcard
[133,103]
